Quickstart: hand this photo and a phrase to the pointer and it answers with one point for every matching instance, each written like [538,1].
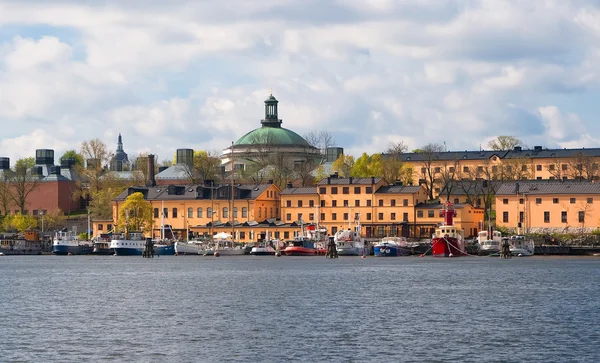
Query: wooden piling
[148,249]
[505,249]
[331,249]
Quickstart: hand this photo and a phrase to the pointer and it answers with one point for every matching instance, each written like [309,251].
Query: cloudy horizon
[194,74]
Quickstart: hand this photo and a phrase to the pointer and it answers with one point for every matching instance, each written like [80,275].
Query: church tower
[120,161]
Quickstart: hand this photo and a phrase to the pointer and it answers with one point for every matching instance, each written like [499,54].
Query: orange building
[468,218]
[548,206]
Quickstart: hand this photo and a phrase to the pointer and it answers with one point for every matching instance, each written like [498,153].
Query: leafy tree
[502,143]
[206,166]
[97,158]
[136,214]
[320,174]
[22,182]
[101,205]
[361,167]
[79,162]
[343,165]
[54,220]
[20,222]
[5,194]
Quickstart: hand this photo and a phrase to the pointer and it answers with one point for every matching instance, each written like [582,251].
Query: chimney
[44,157]
[516,188]
[372,180]
[271,181]
[151,181]
[335,175]
[289,185]
[537,148]
[328,180]
[398,182]
[350,180]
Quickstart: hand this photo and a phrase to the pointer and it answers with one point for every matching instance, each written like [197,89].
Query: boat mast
[232,197]
[162,225]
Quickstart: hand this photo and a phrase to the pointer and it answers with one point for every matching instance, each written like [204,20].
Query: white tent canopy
[222,235]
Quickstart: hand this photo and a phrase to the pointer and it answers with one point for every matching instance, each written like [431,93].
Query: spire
[271,117]
[120,143]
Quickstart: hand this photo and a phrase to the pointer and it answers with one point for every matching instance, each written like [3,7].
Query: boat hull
[187,249]
[488,252]
[520,252]
[102,251]
[447,247]
[168,250]
[300,251]
[351,251]
[390,251]
[262,251]
[73,250]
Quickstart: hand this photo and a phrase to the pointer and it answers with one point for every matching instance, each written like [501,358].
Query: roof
[273,136]
[550,187]
[175,172]
[469,187]
[331,180]
[438,206]
[195,192]
[399,189]
[452,155]
[299,190]
[538,153]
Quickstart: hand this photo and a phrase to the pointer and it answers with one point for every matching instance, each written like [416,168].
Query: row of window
[346,190]
[345,216]
[538,167]
[34,212]
[101,227]
[554,200]
[209,212]
[346,203]
[563,217]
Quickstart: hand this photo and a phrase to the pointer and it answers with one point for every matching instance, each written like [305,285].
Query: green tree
[207,166]
[136,214]
[343,165]
[20,222]
[22,182]
[5,195]
[361,166]
[101,205]
[53,220]
[503,143]
[75,156]
[320,173]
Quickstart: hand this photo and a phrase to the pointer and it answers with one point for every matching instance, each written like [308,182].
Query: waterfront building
[548,206]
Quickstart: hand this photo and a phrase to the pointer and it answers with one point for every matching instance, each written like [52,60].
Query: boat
[189,248]
[392,247]
[489,246]
[102,245]
[448,240]
[18,244]
[133,243]
[67,243]
[229,248]
[266,249]
[301,246]
[349,243]
[520,246]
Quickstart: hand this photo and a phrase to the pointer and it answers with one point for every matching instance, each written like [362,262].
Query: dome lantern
[271,117]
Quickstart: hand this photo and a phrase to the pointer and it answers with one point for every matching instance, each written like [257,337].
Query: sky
[194,74]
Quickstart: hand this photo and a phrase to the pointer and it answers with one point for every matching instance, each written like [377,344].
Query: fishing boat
[133,243]
[67,243]
[301,246]
[520,246]
[489,246]
[349,242]
[17,244]
[448,240]
[102,245]
[392,247]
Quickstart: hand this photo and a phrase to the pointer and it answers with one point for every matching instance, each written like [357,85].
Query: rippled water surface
[206,309]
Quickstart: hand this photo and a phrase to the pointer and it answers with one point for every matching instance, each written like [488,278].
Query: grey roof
[326,166]
[438,206]
[551,187]
[175,172]
[125,175]
[452,155]
[399,189]
[55,177]
[195,191]
[552,153]
[465,187]
[299,190]
[349,181]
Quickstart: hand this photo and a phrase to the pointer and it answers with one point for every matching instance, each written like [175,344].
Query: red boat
[301,246]
[448,241]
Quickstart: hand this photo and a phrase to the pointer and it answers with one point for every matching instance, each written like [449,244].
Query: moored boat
[188,248]
[27,244]
[102,245]
[448,240]
[520,246]
[489,245]
[391,247]
[133,243]
[349,242]
[301,246]
[67,243]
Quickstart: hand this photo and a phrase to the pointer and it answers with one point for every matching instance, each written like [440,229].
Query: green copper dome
[273,136]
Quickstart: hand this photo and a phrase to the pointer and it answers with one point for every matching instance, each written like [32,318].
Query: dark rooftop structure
[548,187]
[196,191]
[120,159]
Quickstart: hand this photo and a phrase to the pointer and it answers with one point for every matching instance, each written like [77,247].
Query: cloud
[195,73]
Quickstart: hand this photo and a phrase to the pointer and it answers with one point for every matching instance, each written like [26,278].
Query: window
[209,212]
[419,214]
[437,190]
[299,203]
[581,216]
[357,203]
[226,212]
[405,202]
[109,227]
[334,230]
[243,235]
[199,213]
[538,167]
[430,214]
[563,217]
[333,190]
[521,201]
[380,216]
[346,190]
[480,169]
[381,202]
[368,202]
[322,190]
[423,170]
[356,216]
[356,190]
[166,212]
[505,217]
[300,217]
[277,234]
[369,190]
[346,203]
[368,216]
[451,169]
[505,201]
[174,212]
[235,212]
[551,167]
[334,203]
[322,216]
[437,169]
[590,200]
[546,217]
[523,167]
[286,235]
[345,216]
[456,201]
[465,169]
[405,217]
[393,216]
[311,216]
[564,167]
[259,212]
[495,169]
[155,212]
[311,203]
[288,216]
[322,203]
[333,216]
[521,216]
[190,213]
[538,200]
[393,201]
[35,212]
[555,200]
[288,203]
[100,227]
[244,212]
[572,200]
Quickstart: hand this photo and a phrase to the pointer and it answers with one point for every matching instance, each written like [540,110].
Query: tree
[429,174]
[72,154]
[5,195]
[22,182]
[97,158]
[343,165]
[396,149]
[361,167]
[206,166]
[448,176]
[136,214]
[503,143]
[582,167]
[20,222]
[392,166]
[320,174]
[517,169]
[101,205]
[54,220]
[322,140]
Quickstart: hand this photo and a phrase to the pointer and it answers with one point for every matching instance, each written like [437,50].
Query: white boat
[349,242]
[520,246]
[225,248]
[189,248]
[67,243]
[391,247]
[489,245]
[264,250]
[133,243]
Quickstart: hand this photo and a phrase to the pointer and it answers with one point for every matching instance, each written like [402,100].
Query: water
[205,309]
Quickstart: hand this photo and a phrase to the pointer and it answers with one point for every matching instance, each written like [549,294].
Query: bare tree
[520,168]
[97,158]
[206,166]
[429,173]
[22,182]
[583,167]
[502,143]
[320,139]
[448,176]
[396,149]
[5,195]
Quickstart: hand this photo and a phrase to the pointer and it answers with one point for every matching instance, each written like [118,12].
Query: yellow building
[548,206]
[468,219]
[199,209]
